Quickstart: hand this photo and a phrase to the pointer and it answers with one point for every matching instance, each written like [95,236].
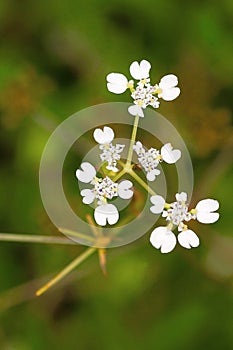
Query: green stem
[66,270]
[14,237]
[132,142]
[119,175]
[142,183]
[76,234]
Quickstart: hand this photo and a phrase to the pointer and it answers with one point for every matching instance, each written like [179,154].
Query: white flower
[136,110]
[169,154]
[188,239]
[176,214]
[205,209]
[140,70]
[158,202]
[102,190]
[167,89]
[87,173]
[110,152]
[117,83]
[106,213]
[144,94]
[150,159]
[164,239]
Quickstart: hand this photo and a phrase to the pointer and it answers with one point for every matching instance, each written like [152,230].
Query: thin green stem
[142,183]
[88,252]
[132,142]
[24,238]
[76,234]
[119,175]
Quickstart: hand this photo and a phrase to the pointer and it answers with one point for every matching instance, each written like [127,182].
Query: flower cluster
[102,190]
[110,152]
[150,159]
[144,94]
[176,214]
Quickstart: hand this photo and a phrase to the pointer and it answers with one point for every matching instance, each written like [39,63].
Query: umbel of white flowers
[102,190]
[144,94]
[176,214]
[150,159]
[110,153]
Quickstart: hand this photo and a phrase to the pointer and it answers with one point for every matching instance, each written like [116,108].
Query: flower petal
[182,197]
[205,210]
[207,218]
[158,202]
[103,136]
[106,213]
[207,205]
[169,154]
[136,110]
[168,81]
[169,94]
[151,175]
[88,196]
[117,83]
[87,173]
[162,238]
[124,189]
[140,70]
[188,239]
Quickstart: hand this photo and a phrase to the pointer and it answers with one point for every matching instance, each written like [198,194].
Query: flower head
[150,159]
[103,189]
[178,214]
[144,94]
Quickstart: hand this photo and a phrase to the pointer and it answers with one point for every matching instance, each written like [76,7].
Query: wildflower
[144,94]
[176,214]
[150,159]
[110,153]
[103,189]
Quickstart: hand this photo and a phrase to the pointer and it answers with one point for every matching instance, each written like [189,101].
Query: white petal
[88,196]
[162,238]
[151,175]
[158,202]
[103,136]
[87,173]
[106,213]
[138,147]
[117,83]
[169,154]
[188,239]
[168,81]
[140,71]
[145,67]
[169,94]
[205,210]
[207,205]
[207,218]
[182,197]
[136,110]
[124,189]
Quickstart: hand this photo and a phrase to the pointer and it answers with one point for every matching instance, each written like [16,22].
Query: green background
[54,56]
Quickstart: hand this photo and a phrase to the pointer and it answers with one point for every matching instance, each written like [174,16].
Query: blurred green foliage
[54,57]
